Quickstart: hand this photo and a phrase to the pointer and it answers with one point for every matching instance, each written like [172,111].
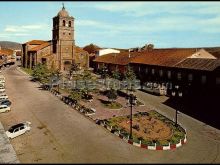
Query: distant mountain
[10,45]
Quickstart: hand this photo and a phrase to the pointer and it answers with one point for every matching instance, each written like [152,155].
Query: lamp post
[132,100]
[104,71]
[179,94]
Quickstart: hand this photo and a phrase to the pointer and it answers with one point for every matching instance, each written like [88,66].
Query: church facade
[58,53]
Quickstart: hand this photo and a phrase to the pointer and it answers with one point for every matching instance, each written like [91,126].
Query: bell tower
[63,39]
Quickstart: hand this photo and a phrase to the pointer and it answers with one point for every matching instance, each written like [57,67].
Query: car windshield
[11,130]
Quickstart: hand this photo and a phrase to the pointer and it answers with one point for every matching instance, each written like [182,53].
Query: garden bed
[110,105]
[148,128]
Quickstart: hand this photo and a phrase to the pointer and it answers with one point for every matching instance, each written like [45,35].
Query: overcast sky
[117,24]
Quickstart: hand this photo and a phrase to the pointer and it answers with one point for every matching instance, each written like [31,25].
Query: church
[58,53]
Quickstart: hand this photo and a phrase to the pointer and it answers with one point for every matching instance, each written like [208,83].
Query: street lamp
[132,101]
[104,71]
[179,94]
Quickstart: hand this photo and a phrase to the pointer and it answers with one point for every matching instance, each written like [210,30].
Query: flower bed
[153,129]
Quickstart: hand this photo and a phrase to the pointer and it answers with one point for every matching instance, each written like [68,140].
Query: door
[22,130]
[15,133]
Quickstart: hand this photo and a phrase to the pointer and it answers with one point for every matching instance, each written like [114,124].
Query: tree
[86,76]
[116,74]
[129,76]
[41,73]
[58,76]
[74,68]
[112,95]
[76,95]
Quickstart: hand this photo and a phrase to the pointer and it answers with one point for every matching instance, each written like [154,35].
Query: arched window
[69,23]
[64,22]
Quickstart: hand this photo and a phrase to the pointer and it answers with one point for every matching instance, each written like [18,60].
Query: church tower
[63,39]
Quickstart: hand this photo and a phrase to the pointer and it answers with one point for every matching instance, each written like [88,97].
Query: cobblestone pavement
[61,134]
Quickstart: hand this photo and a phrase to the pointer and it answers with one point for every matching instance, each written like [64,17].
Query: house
[102,52]
[7,56]
[181,71]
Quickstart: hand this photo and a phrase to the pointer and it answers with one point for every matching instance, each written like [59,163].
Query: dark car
[5,102]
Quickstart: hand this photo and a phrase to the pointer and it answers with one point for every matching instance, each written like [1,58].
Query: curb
[126,139]
[149,147]
[20,70]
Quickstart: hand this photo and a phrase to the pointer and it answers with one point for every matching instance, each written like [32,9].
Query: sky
[116,24]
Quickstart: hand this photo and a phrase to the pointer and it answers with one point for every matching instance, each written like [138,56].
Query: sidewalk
[7,152]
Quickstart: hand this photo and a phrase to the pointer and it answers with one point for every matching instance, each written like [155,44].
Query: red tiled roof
[18,53]
[199,64]
[35,42]
[163,57]
[121,58]
[5,51]
[79,50]
[36,48]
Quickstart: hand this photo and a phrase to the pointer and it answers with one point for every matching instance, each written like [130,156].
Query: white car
[2,84]
[2,90]
[18,129]
[4,97]
[4,108]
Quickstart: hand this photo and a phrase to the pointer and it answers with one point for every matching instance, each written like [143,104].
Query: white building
[106,51]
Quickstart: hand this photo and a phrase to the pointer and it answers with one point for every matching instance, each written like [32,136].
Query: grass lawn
[111,105]
[27,70]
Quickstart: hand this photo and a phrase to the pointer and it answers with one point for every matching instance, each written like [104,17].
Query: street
[60,134]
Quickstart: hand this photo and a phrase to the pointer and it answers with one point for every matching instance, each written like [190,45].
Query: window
[69,23]
[139,68]
[218,80]
[179,76]
[63,33]
[16,130]
[153,71]
[161,73]
[22,127]
[203,79]
[146,70]
[64,22]
[190,77]
[69,33]
[169,74]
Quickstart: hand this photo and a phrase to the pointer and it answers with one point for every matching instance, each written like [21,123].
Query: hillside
[10,45]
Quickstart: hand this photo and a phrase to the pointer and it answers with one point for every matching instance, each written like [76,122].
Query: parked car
[5,102]
[18,129]
[2,90]
[3,99]
[3,94]
[2,84]
[2,79]
[2,87]
[4,108]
